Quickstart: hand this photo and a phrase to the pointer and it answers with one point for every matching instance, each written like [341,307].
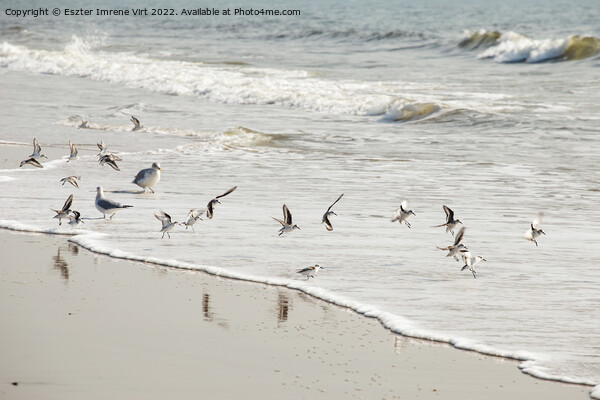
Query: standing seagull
[286,225]
[325,219]
[451,223]
[72,180]
[211,204]
[167,224]
[31,161]
[402,214]
[106,206]
[37,150]
[75,219]
[310,272]
[148,177]
[64,212]
[470,261]
[136,123]
[193,217]
[534,232]
[74,152]
[457,246]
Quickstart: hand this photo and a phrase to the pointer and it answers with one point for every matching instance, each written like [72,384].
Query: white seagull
[401,215]
[286,225]
[211,204]
[31,161]
[72,180]
[106,206]
[311,271]
[457,246]
[37,150]
[534,231]
[192,217]
[470,261]
[148,177]
[136,123]
[451,223]
[64,212]
[328,213]
[167,224]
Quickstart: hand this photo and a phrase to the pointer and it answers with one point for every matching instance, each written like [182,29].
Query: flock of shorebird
[149,177]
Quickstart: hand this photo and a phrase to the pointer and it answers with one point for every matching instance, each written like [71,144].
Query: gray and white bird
[136,123]
[111,160]
[64,211]
[470,261]
[37,150]
[210,207]
[402,213]
[311,271]
[456,247]
[72,180]
[328,213]
[192,217]
[534,231]
[287,224]
[106,206]
[83,125]
[74,153]
[167,223]
[75,219]
[149,177]
[31,161]
[451,222]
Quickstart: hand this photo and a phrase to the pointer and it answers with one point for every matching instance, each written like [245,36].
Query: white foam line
[394,323]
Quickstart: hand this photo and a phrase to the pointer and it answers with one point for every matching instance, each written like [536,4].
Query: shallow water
[298,111]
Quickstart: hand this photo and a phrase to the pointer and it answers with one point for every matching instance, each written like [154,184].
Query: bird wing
[68,203]
[287,215]
[459,236]
[209,209]
[307,269]
[338,199]
[537,220]
[278,220]
[135,121]
[449,214]
[328,225]
[36,146]
[101,145]
[227,192]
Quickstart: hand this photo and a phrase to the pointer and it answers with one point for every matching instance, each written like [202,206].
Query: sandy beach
[80,325]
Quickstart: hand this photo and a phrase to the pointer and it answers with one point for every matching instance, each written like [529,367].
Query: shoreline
[460,370]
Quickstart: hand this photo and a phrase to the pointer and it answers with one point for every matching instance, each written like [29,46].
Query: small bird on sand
[311,271]
[192,217]
[167,223]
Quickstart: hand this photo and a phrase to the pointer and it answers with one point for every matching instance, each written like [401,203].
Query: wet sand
[76,325]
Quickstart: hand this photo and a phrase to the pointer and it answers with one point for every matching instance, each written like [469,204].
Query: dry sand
[76,325]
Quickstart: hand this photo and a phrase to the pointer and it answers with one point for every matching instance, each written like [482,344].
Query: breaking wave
[511,47]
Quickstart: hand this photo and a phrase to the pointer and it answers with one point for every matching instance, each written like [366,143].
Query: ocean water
[490,108]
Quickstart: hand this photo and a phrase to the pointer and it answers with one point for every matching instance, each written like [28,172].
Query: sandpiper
[211,204]
[64,212]
[74,153]
[167,223]
[402,214]
[72,180]
[286,225]
[451,223]
[311,271]
[325,219]
[456,247]
[534,231]
[136,123]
